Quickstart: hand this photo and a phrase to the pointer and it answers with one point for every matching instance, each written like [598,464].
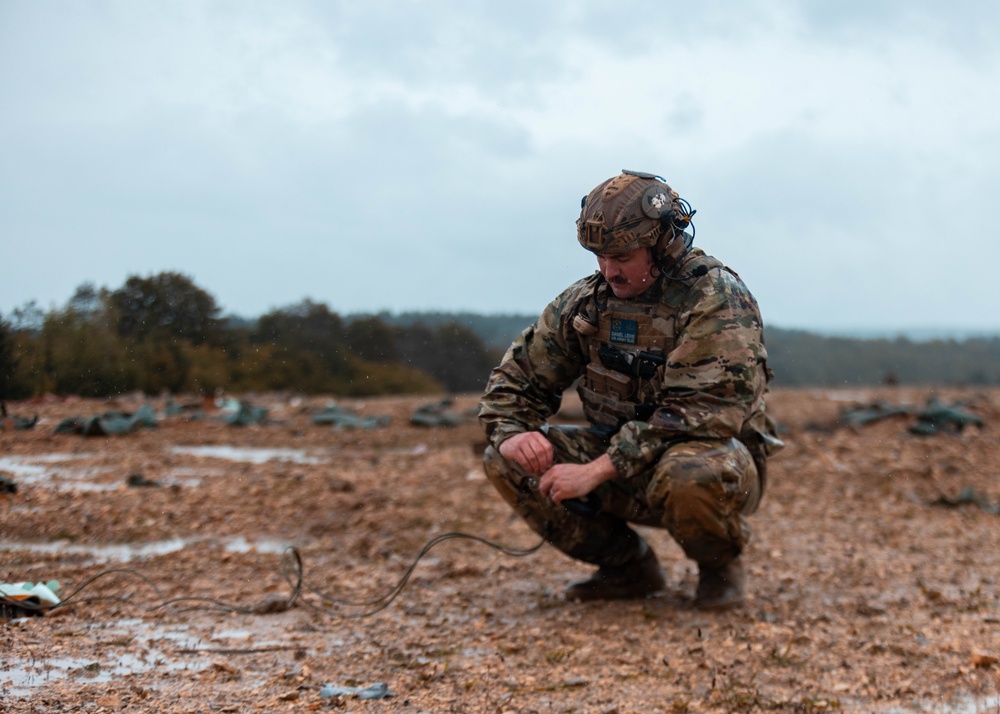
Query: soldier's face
[629,274]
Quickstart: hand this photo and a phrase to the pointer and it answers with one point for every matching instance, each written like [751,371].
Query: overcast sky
[843,156]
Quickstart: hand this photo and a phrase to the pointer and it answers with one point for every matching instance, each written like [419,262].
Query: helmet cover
[632,210]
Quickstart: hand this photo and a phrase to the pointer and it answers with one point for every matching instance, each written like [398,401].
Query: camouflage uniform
[673,385]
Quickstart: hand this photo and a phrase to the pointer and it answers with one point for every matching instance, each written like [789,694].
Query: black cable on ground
[292,569]
[380,603]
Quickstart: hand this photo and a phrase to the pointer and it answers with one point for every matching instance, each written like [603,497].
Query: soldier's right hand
[530,450]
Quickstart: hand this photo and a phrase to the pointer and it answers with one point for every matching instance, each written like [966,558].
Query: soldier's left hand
[564,481]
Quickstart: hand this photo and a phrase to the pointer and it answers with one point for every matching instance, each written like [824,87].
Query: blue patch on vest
[624,331]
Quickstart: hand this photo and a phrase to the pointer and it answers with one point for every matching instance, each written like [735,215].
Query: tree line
[164,333]
[801,359]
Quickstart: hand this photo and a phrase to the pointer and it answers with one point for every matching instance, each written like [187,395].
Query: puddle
[125,552]
[239,544]
[39,470]
[188,477]
[962,705]
[845,396]
[248,455]
[125,647]
[36,469]
[83,486]
[23,678]
[115,645]
[46,458]
[103,553]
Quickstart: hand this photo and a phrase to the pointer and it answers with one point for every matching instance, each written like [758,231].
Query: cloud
[852,233]
[413,155]
[966,29]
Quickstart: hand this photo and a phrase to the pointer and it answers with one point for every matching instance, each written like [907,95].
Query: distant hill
[801,357]
[925,334]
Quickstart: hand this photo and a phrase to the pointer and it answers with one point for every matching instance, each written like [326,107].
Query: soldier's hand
[530,450]
[565,481]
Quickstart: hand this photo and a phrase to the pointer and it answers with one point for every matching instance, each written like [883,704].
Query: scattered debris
[343,418]
[28,599]
[192,410]
[339,485]
[20,423]
[111,423]
[23,423]
[968,496]
[379,690]
[939,418]
[140,481]
[936,418]
[877,411]
[272,604]
[7,484]
[983,661]
[240,413]
[436,414]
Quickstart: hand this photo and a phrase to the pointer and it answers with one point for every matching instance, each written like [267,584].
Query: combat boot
[636,579]
[720,588]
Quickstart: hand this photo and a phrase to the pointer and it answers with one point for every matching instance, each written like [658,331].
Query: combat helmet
[632,210]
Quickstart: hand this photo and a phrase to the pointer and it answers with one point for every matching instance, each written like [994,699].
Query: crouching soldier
[665,346]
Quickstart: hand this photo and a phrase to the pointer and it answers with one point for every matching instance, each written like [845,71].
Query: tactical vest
[628,343]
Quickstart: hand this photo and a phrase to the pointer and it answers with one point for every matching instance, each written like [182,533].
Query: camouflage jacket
[710,385]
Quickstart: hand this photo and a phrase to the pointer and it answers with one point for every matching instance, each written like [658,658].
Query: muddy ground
[874,572]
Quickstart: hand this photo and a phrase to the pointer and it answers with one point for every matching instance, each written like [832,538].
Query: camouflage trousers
[699,491]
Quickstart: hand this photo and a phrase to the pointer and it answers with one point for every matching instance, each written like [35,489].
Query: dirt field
[874,573]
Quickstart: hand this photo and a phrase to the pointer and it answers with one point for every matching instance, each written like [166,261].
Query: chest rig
[628,343]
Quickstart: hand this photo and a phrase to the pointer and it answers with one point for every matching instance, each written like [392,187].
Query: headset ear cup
[679,220]
[665,239]
[673,221]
